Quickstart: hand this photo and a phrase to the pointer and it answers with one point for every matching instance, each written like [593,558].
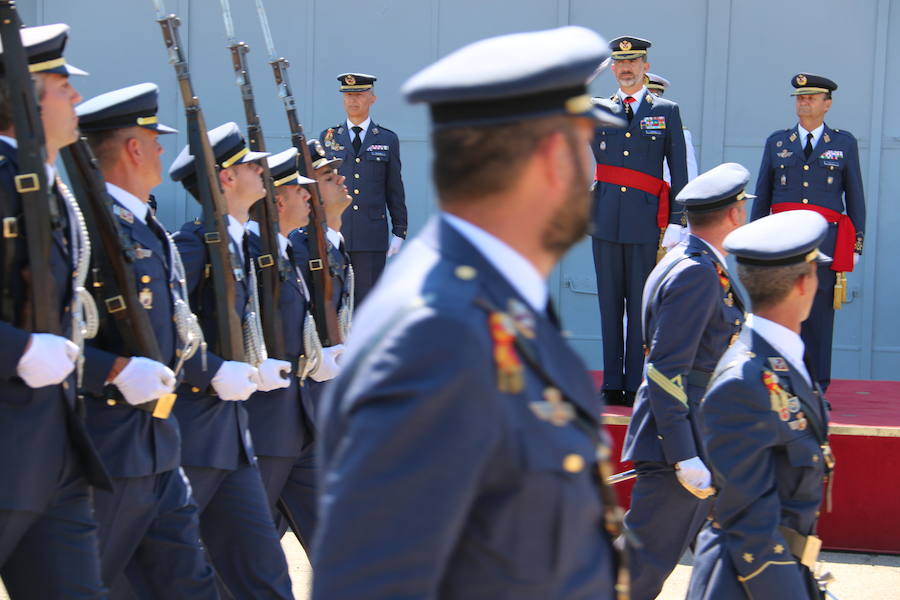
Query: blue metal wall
[729,61]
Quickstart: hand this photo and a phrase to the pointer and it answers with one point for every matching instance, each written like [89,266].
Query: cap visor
[73,70]
[603,117]
[331,162]
[822,259]
[252,156]
[301,180]
[161,129]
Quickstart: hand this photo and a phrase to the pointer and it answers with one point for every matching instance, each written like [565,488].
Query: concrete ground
[859,576]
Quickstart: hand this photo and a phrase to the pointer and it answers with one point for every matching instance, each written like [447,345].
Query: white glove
[855,259]
[274,374]
[143,380]
[328,367]
[47,360]
[672,236]
[394,248]
[693,472]
[235,380]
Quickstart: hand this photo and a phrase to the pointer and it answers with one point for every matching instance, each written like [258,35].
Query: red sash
[842,261]
[639,181]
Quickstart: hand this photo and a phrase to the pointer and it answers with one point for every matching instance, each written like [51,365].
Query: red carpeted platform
[865,437]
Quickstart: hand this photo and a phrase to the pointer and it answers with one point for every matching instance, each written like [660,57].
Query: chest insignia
[777,396]
[510,374]
[784,153]
[779,144]
[553,408]
[658,122]
[778,364]
[793,137]
[826,137]
[145,297]
[832,155]
[603,145]
[522,318]
[124,214]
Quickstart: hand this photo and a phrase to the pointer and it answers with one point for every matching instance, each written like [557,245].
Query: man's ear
[133,150]
[226,177]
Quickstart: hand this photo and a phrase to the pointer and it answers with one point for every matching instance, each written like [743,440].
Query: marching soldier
[765,426]
[217,451]
[149,520]
[691,314]
[633,218]
[813,167]
[514,510]
[371,155]
[657,85]
[48,537]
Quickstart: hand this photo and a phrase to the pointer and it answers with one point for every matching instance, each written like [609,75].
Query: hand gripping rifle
[323,307]
[228,322]
[39,208]
[272,268]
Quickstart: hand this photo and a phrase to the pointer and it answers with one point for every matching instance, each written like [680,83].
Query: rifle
[323,307]
[39,208]
[209,191]
[114,279]
[272,268]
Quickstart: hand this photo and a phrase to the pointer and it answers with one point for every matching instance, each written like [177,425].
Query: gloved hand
[274,374]
[672,236]
[328,367]
[855,258]
[48,360]
[143,380]
[692,473]
[394,248]
[235,380]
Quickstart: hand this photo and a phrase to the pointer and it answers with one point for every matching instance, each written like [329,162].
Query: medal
[794,405]
[146,298]
[603,145]
[522,318]
[510,374]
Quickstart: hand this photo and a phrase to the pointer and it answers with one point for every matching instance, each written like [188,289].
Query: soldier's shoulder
[382,129]
[844,134]
[330,130]
[193,228]
[660,102]
[779,134]
[741,368]
[608,103]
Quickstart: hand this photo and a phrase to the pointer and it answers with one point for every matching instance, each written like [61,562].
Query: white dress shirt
[638,98]
[817,134]
[515,268]
[335,237]
[362,134]
[236,231]
[785,341]
[138,208]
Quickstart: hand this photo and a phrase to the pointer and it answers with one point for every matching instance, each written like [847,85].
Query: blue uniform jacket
[131,441]
[625,214]
[278,420]
[830,178]
[693,313]
[38,427]
[374,181]
[338,260]
[433,482]
[215,433]
[768,470]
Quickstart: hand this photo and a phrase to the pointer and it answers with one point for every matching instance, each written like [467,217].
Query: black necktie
[808,149]
[357,143]
[629,112]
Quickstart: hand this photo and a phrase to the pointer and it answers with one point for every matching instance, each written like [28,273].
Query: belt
[805,548]
[160,408]
[842,261]
[698,378]
[640,181]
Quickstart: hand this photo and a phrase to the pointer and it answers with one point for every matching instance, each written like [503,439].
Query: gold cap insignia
[624,45]
[350,80]
[801,79]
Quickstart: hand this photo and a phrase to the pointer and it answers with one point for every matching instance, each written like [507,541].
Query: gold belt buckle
[164,405]
[811,547]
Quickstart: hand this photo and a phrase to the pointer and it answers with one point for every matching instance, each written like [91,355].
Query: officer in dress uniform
[371,155]
[217,451]
[632,214]
[765,426]
[691,314]
[149,522]
[457,383]
[281,421]
[48,537]
[813,167]
[657,85]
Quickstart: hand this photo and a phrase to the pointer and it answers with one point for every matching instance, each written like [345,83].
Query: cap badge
[801,79]
[625,45]
[350,80]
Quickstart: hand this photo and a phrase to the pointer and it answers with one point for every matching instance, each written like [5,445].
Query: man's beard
[569,224]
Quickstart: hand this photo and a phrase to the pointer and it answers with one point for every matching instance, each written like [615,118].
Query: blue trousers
[367,268]
[52,553]
[665,517]
[621,271]
[150,530]
[237,529]
[817,330]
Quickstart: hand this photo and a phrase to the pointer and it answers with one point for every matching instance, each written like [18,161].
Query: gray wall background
[730,63]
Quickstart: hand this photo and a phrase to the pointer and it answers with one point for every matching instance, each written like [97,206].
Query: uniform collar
[283,244]
[50,169]
[782,340]
[638,97]
[817,134]
[334,237]
[130,201]
[715,250]
[365,126]
[515,268]
[236,231]
[253,227]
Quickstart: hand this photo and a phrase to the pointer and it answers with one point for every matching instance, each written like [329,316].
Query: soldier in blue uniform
[217,451]
[48,537]
[813,167]
[765,426]
[632,215]
[692,312]
[149,521]
[371,155]
[459,445]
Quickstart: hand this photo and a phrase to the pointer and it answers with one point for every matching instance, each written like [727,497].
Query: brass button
[652,137]
[65,385]
[624,189]
[573,463]
[145,279]
[737,321]
[356,192]
[195,389]
[110,402]
[358,159]
[627,134]
[805,201]
[355,207]
[815,458]
[625,153]
[465,272]
[806,167]
[178,352]
[805,184]
[356,175]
